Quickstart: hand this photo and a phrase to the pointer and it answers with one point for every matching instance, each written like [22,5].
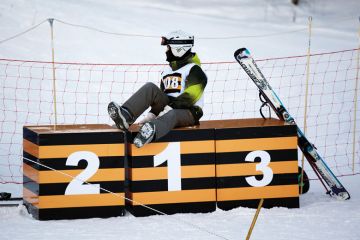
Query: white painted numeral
[171,154]
[262,166]
[76,186]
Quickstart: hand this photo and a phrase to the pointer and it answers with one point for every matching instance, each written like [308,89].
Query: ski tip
[241,53]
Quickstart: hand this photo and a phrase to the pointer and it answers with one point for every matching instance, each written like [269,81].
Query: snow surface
[335,25]
[319,217]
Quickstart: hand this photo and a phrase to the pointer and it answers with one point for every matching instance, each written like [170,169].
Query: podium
[256,159]
[84,171]
[175,174]
[68,170]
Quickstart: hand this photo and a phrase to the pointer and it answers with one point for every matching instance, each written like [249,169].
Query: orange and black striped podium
[256,159]
[54,156]
[228,163]
[175,174]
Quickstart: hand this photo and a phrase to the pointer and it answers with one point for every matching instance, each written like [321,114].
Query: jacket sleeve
[194,88]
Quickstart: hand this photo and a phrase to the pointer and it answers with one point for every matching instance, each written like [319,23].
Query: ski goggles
[165,41]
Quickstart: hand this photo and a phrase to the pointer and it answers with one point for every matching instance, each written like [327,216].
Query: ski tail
[244,58]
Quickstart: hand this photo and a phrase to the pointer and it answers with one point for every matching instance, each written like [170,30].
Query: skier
[178,101]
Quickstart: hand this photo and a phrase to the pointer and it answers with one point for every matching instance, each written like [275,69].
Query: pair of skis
[246,61]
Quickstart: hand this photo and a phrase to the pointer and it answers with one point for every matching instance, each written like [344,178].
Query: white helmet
[179,42]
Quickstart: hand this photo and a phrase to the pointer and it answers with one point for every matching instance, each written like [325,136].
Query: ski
[249,65]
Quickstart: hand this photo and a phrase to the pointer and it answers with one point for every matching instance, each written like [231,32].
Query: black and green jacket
[195,84]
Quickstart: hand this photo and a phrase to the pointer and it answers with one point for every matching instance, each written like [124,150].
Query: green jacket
[195,83]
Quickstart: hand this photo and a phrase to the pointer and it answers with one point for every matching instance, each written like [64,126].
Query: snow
[335,28]
[335,25]
[319,217]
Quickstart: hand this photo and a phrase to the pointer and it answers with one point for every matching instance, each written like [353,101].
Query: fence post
[355,99]
[306,99]
[255,218]
[51,21]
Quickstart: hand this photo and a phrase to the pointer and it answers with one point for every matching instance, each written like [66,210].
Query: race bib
[172,83]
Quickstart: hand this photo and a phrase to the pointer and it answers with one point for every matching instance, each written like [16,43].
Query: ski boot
[145,135]
[121,116]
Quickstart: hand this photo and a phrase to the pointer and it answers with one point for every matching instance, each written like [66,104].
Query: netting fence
[84,90]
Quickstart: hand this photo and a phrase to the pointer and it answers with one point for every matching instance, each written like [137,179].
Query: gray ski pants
[150,95]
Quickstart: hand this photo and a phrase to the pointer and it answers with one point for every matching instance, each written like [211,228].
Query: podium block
[59,162]
[256,159]
[175,174]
